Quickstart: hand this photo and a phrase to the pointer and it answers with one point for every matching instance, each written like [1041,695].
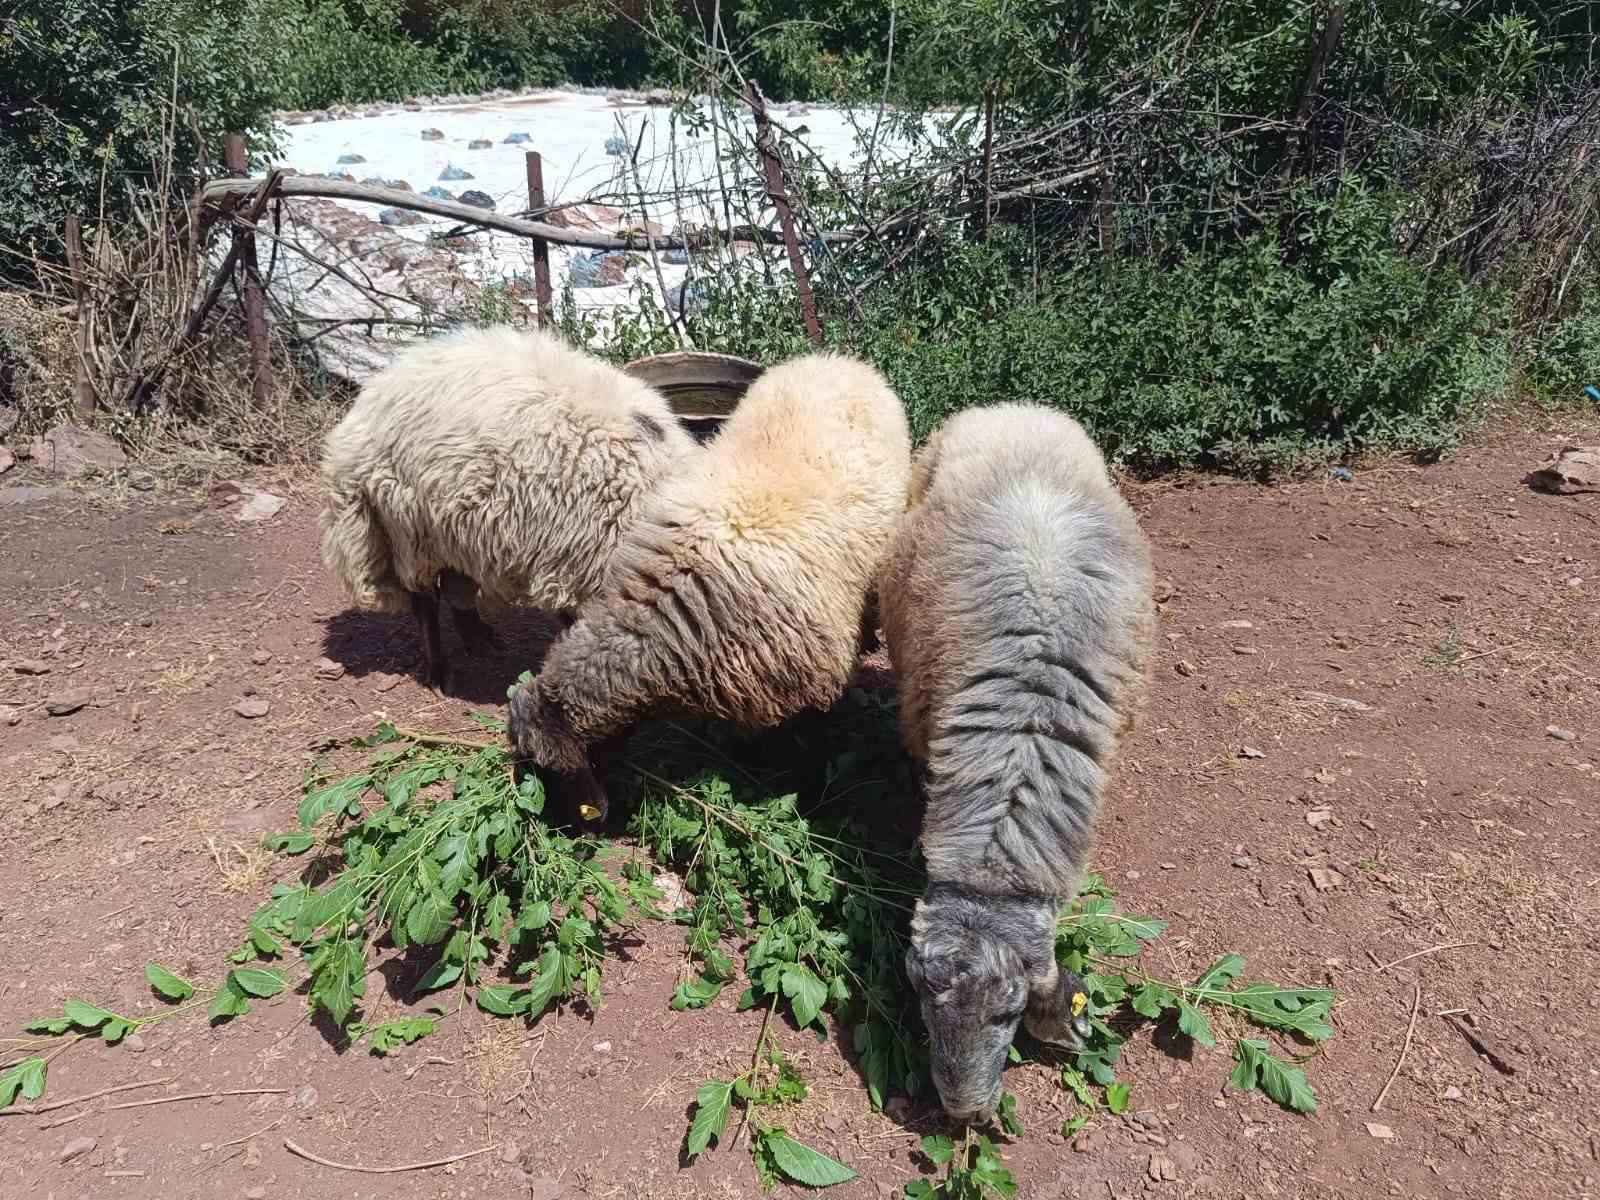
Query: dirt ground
[1456,805]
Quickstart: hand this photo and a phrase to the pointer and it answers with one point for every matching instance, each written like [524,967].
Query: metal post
[83,386]
[773,168]
[541,248]
[255,305]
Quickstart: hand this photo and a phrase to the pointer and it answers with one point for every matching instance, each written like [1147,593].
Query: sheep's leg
[477,634]
[425,608]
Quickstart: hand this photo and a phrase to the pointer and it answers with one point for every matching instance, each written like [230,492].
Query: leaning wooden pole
[541,248]
[83,385]
[255,302]
[772,165]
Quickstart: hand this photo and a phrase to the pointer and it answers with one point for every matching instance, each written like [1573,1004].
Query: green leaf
[938,1148]
[228,1002]
[713,1101]
[503,1000]
[1072,1079]
[166,983]
[26,1078]
[338,978]
[289,843]
[799,1162]
[1221,973]
[1117,1096]
[696,993]
[549,982]
[1152,1000]
[50,1025]
[1194,1023]
[1284,1083]
[442,974]
[85,1015]
[392,1034]
[333,798]
[1009,1121]
[430,919]
[807,994]
[114,1030]
[258,982]
[1071,1126]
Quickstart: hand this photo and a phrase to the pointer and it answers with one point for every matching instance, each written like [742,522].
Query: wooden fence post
[773,167]
[541,248]
[83,385]
[255,305]
[988,161]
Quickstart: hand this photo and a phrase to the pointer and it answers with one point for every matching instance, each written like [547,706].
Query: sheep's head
[981,965]
[542,736]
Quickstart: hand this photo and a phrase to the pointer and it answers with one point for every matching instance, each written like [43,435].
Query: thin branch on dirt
[421,1166]
[202,1096]
[1482,1047]
[242,1140]
[439,739]
[1418,954]
[59,1121]
[433,1060]
[755,1065]
[1411,1029]
[36,1109]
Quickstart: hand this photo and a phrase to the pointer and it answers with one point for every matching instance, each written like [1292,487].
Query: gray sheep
[1017,610]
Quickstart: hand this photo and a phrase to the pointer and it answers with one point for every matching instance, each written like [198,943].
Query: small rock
[64,703]
[305,1097]
[398,185]
[1342,474]
[1240,624]
[433,135]
[1320,818]
[1162,1169]
[673,894]
[76,1148]
[1251,752]
[479,144]
[69,451]
[64,743]
[31,666]
[1243,861]
[1378,1130]
[141,481]
[1240,648]
[1453,597]
[260,506]
[387,683]
[477,199]
[251,1157]
[1343,702]
[134,1043]
[252,707]
[438,193]
[1560,734]
[1163,591]
[9,715]
[510,1152]
[1168,866]
[1085,1143]
[326,668]
[1185,668]
[454,174]
[1450,1093]
[515,139]
[1325,879]
[395,217]
[261,657]
[256,1193]
[602,1047]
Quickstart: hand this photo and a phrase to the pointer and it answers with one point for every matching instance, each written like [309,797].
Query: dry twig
[420,1166]
[1411,1029]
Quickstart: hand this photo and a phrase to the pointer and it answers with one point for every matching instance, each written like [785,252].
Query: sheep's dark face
[541,736]
[973,992]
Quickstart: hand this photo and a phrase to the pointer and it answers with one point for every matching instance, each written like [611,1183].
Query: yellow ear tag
[588,812]
[1079,1003]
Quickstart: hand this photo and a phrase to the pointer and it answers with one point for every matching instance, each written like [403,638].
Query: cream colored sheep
[740,591]
[1017,611]
[496,457]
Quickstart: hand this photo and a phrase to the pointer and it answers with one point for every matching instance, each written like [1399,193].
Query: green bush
[332,52]
[86,92]
[1566,359]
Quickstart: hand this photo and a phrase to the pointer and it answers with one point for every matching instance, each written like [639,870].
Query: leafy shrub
[329,52]
[87,88]
[1567,359]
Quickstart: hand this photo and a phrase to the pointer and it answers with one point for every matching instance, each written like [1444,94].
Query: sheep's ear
[1058,1006]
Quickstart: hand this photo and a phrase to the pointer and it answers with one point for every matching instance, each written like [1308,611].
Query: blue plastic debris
[515,139]
[347,159]
[438,193]
[1342,474]
[453,173]
[1593,393]
[616,145]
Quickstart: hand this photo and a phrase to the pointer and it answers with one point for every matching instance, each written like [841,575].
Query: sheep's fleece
[739,591]
[1016,607]
[504,455]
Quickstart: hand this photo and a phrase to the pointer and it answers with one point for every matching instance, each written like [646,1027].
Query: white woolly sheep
[497,458]
[740,591]
[1017,611]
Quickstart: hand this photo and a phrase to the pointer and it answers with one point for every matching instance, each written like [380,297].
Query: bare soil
[1455,805]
